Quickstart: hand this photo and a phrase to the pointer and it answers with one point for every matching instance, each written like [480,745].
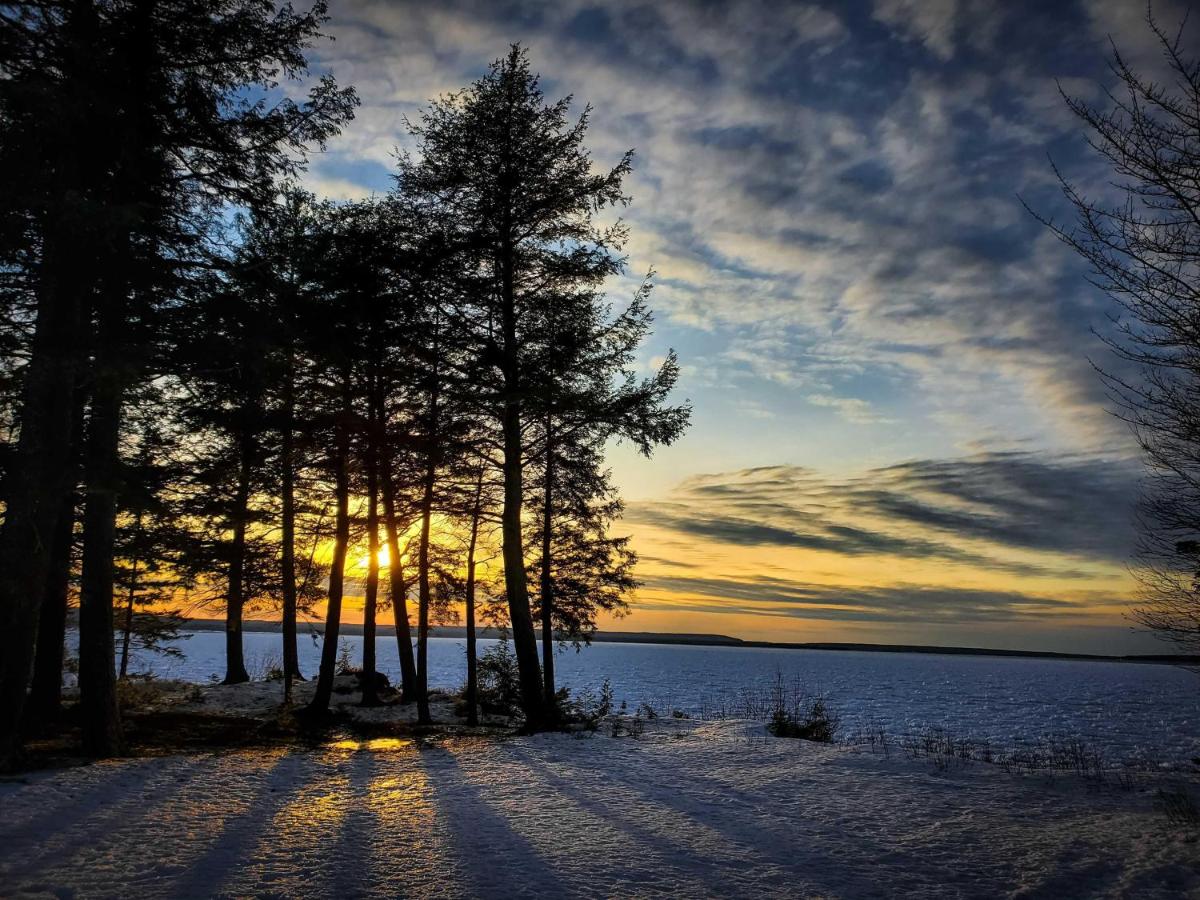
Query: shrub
[345,664]
[605,707]
[1178,805]
[138,691]
[499,680]
[265,666]
[586,708]
[816,723]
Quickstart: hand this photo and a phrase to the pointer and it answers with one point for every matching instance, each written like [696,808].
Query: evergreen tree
[512,174]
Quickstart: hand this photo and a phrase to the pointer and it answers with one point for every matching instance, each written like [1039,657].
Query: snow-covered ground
[688,809]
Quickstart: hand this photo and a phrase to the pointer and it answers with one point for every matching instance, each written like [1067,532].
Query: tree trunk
[102,735]
[516,587]
[337,571]
[408,667]
[45,694]
[547,579]
[370,696]
[423,594]
[235,601]
[129,600]
[287,556]
[397,588]
[38,477]
[472,695]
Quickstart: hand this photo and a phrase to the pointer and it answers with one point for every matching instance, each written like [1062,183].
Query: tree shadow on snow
[484,838]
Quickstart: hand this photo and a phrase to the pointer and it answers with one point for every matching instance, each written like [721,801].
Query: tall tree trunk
[38,477]
[337,571]
[472,695]
[398,591]
[102,735]
[129,600]
[287,556]
[516,587]
[547,575]
[45,693]
[397,588]
[424,597]
[235,599]
[370,696]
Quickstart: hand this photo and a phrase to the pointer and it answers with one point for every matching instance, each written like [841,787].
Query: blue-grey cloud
[894,604]
[970,510]
[830,187]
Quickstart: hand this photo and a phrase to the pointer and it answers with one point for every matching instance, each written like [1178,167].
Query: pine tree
[511,173]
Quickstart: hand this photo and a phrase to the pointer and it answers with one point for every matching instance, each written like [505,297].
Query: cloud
[929,21]
[850,408]
[1020,512]
[813,193]
[899,603]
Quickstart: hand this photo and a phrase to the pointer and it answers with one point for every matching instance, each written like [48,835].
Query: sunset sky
[898,435]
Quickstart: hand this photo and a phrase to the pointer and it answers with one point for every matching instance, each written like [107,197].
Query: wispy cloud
[977,510]
[826,184]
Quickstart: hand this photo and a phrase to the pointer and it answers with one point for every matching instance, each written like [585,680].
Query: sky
[899,434]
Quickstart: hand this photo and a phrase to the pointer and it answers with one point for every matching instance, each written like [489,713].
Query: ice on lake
[1128,709]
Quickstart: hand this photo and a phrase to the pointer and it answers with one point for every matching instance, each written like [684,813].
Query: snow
[688,809]
[262,701]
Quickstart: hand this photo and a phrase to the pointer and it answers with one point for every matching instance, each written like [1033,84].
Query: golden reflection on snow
[374,745]
[198,814]
[322,802]
[401,799]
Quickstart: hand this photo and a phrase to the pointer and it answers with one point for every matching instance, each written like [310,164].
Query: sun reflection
[403,802]
[374,745]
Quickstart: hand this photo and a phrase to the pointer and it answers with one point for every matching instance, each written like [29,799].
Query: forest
[220,390]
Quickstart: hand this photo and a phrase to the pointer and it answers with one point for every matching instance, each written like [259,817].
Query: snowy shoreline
[687,809]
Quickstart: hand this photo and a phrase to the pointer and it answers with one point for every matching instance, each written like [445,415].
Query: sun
[364,561]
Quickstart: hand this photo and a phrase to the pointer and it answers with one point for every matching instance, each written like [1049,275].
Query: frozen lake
[1128,708]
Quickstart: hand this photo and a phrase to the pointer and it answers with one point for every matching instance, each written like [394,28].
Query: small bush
[345,664]
[265,666]
[817,723]
[137,691]
[586,708]
[499,681]
[1178,805]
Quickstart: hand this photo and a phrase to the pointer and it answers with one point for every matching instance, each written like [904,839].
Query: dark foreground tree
[1144,252]
[126,128]
[48,97]
[589,393]
[512,173]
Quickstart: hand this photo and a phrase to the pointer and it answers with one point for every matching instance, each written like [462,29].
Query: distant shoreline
[721,640]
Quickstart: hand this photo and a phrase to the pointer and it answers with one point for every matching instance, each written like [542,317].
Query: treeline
[210,376]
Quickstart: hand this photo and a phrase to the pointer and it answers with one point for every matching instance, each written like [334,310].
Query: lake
[1130,709]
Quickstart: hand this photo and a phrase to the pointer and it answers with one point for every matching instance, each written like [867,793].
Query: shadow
[206,873]
[94,819]
[804,860]
[604,807]
[485,837]
[350,868]
[287,848]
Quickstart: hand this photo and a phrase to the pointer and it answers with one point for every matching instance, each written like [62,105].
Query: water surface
[1152,710]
